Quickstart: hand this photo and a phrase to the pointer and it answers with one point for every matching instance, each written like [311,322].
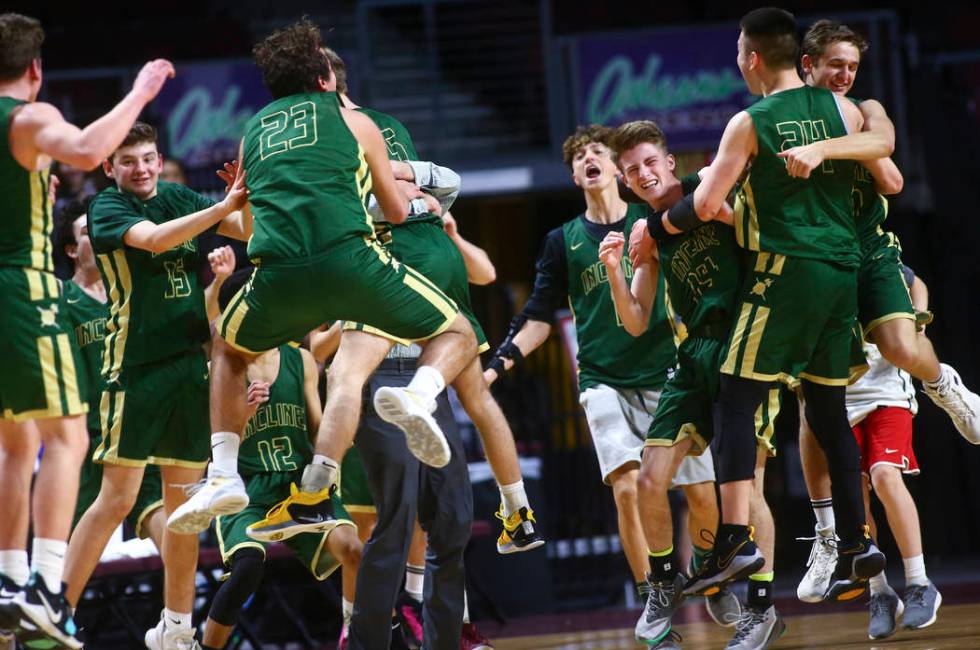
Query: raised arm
[238,224]
[633,304]
[161,237]
[222,261]
[40,132]
[439,182]
[479,269]
[391,200]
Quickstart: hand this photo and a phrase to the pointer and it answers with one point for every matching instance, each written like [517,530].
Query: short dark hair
[20,43]
[292,59]
[62,234]
[630,134]
[339,69]
[139,133]
[584,135]
[824,33]
[772,35]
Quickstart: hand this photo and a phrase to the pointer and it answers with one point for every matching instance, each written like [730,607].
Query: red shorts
[885,438]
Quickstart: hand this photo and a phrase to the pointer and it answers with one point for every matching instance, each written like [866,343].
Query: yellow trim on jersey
[755,337]
[69,380]
[686,430]
[760,262]
[771,263]
[753,225]
[142,534]
[367,510]
[765,421]
[364,183]
[779,260]
[176,462]
[51,285]
[884,319]
[40,211]
[423,286]
[35,285]
[227,553]
[824,381]
[743,321]
[51,372]
[120,291]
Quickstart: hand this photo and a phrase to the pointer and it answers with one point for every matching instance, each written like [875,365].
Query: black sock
[663,568]
[642,589]
[760,593]
[729,534]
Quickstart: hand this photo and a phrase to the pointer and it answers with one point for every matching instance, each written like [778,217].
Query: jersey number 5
[282,131]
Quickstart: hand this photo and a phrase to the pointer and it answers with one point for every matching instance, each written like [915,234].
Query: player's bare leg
[665,579]
[120,487]
[19,446]
[912,351]
[520,527]
[410,408]
[223,492]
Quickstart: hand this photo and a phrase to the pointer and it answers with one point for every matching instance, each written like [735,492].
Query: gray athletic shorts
[619,419]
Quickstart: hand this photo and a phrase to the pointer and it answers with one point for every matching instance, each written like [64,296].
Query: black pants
[403,487]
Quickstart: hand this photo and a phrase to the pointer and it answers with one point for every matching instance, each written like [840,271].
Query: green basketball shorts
[358,281]
[795,320]
[40,380]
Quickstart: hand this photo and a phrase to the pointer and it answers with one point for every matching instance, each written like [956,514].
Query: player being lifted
[40,399]
[702,271]
[802,241]
[620,377]
[310,165]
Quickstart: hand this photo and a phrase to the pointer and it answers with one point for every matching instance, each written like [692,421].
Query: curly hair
[20,43]
[630,134]
[292,60]
[583,136]
[824,33]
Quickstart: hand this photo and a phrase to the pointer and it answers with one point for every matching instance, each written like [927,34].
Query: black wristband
[682,216]
[655,225]
[510,351]
[497,365]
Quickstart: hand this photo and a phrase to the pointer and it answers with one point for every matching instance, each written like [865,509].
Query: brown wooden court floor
[957,628]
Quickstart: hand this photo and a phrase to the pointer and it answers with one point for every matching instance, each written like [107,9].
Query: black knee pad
[247,568]
[734,444]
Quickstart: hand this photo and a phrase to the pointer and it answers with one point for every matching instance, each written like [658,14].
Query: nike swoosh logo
[575,246]
[890,451]
[7,594]
[724,561]
[47,607]
[72,302]
[174,621]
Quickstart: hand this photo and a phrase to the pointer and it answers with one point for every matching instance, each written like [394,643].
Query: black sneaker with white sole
[734,556]
[857,562]
[46,613]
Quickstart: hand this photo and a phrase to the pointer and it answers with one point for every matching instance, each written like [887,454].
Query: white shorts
[619,419]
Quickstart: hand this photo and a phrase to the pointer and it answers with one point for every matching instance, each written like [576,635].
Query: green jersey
[156,303]
[307,177]
[25,229]
[607,353]
[870,207]
[86,318]
[800,217]
[703,272]
[400,147]
[276,438]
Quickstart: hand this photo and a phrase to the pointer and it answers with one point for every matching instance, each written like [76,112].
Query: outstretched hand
[222,261]
[151,78]
[229,173]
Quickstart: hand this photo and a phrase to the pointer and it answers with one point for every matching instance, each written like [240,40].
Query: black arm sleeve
[551,279]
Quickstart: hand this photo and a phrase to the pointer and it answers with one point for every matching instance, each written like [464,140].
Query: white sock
[176,620]
[319,474]
[13,564]
[224,452]
[48,561]
[466,608]
[414,581]
[878,583]
[915,571]
[823,510]
[514,497]
[348,608]
[427,383]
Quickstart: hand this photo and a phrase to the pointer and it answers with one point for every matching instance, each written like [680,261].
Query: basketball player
[40,401]
[702,271]
[285,401]
[154,407]
[620,377]
[802,241]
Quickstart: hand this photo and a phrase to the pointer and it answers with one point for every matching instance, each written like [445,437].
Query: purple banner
[685,80]
[205,108]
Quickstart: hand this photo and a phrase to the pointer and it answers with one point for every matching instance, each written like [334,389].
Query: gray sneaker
[654,623]
[669,642]
[886,608]
[723,607]
[757,629]
[921,604]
